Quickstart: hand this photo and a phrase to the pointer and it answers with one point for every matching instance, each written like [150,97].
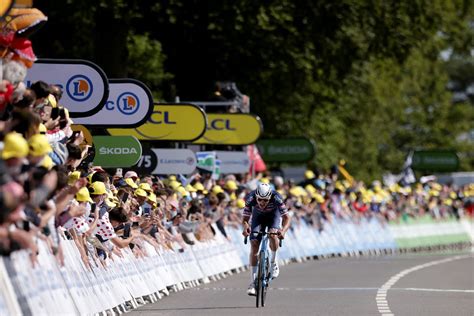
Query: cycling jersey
[269,216]
[275,204]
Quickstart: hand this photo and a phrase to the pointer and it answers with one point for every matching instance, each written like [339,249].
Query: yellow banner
[231,129]
[176,122]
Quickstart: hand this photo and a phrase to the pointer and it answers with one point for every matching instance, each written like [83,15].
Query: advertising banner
[174,161]
[84,84]
[129,104]
[233,161]
[116,151]
[286,149]
[231,129]
[166,161]
[435,160]
[170,122]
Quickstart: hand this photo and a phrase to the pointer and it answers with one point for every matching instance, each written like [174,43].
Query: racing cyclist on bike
[267,209]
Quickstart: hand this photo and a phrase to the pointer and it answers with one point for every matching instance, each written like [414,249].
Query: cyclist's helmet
[264,191]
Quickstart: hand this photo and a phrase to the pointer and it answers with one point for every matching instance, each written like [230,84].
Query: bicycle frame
[263,263]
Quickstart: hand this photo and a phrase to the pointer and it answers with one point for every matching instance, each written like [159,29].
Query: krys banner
[171,122]
[116,151]
[84,84]
[129,104]
[286,149]
[231,129]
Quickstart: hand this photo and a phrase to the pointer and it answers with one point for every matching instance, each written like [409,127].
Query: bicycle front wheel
[265,279]
[260,277]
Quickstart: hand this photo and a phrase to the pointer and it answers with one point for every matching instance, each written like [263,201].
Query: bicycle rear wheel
[260,277]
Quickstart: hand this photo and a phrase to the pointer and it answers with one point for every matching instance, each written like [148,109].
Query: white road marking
[381,294]
[435,290]
[382,303]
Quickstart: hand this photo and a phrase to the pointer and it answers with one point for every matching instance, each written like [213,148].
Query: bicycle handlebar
[264,233]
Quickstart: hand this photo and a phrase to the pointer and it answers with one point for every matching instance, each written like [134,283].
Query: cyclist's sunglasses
[263,200]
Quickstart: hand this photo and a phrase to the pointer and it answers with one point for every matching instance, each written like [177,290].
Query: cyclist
[267,209]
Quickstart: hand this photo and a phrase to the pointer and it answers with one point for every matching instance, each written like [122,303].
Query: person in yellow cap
[131,183]
[141,197]
[15,149]
[240,203]
[152,199]
[145,186]
[73,177]
[83,195]
[309,174]
[174,184]
[98,194]
[140,193]
[200,190]
[192,191]
[39,147]
[80,224]
[217,189]
[230,188]
[47,163]
[182,191]
[42,129]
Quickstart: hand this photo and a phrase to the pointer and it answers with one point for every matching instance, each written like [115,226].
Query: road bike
[264,274]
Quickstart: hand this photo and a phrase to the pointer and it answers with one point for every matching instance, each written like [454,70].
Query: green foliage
[145,63]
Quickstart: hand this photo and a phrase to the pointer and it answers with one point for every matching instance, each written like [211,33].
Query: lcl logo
[220,125]
[161,117]
[79,88]
[127,103]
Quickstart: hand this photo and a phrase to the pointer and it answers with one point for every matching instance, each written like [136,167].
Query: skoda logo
[79,88]
[128,103]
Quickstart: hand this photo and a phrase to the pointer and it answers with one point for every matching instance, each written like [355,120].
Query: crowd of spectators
[49,190]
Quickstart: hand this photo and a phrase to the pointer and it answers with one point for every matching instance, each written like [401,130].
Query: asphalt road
[408,284]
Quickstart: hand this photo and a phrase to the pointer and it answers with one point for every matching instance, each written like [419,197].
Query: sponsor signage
[116,151]
[147,162]
[84,84]
[435,160]
[171,122]
[231,129]
[286,150]
[233,161]
[167,161]
[129,104]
